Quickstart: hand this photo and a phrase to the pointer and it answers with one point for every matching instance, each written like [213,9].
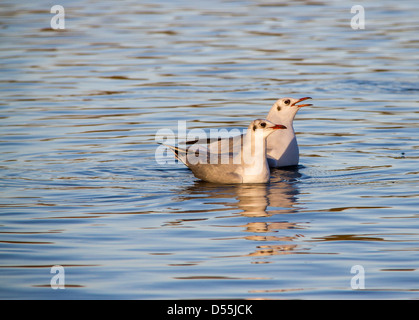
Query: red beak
[301,105]
[279,126]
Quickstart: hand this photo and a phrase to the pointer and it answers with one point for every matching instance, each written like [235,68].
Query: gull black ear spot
[254,127]
[278,108]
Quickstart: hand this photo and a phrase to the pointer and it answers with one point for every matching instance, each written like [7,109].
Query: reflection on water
[252,200]
[255,201]
[80,186]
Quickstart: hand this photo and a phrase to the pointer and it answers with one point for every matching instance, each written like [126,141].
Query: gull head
[267,126]
[285,109]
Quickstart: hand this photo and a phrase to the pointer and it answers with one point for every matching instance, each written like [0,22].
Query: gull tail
[180,154]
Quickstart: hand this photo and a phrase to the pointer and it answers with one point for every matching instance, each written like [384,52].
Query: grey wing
[217,173]
[227,145]
[204,170]
[219,145]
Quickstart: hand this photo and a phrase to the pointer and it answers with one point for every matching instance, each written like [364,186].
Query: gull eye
[287,102]
[263,124]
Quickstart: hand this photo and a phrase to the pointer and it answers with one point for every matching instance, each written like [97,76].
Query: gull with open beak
[245,164]
[282,146]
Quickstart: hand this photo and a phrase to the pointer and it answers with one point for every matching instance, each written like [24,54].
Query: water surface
[80,186]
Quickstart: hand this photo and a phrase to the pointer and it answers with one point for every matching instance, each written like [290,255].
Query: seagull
[282,146]
[246,163]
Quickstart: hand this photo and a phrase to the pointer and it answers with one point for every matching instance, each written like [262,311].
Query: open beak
[279,126]
[301,105]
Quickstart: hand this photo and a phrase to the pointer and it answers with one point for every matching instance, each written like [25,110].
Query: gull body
[245,163]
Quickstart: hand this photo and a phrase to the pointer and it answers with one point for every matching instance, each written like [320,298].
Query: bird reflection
[253,200]
[280,196]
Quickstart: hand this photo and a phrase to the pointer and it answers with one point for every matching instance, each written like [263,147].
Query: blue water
[81,187]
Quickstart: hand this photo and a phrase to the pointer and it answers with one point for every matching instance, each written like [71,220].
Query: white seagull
[282,146]
[245,163]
